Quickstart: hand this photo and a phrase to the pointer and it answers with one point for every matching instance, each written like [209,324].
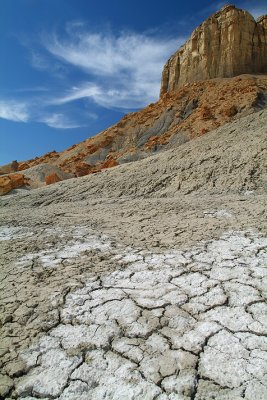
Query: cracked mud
[87,317]
[144,282]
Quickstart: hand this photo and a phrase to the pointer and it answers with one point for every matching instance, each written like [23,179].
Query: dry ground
[142,282]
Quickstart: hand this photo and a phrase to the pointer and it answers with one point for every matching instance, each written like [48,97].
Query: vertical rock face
[227,44]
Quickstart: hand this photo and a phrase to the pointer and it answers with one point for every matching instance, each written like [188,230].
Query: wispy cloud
[126,95]
[59,121]
[62,121]
[123,70]
[42,61]
[38,112]
[75,93]
[14,111]
[116,71]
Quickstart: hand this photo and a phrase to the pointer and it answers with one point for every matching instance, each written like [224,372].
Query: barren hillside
[144,281]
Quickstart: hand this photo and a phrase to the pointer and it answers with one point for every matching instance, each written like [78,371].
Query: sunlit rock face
[227,44]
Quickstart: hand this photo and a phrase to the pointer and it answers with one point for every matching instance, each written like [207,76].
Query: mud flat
[143,282]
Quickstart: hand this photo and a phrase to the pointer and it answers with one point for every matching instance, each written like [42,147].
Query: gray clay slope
[145,281]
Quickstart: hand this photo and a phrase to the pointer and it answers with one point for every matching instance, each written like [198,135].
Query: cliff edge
[227,44]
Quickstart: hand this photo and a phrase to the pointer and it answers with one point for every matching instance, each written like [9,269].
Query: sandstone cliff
[227,44]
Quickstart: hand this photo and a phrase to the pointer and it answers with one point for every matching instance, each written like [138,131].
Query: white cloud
[59,121]
[126,95]
[14,111]
[124,71]
[36,111]
[88,90]
[119,72]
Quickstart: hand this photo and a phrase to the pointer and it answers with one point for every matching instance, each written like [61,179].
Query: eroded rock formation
[33,177]
[52,178]
[176,118]
[227,44]
[9,168]
[10,182]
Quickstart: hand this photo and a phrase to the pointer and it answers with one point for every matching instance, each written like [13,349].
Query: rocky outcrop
[44,174]
[33,177]
[110,163]
[82,169]
[52,178]
[23,165]
[49,158]
[10,182]
[227,44]
[262,21]
[9,168]
[176,118]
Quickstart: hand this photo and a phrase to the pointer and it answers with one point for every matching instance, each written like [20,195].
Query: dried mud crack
[145,282]
[86,317]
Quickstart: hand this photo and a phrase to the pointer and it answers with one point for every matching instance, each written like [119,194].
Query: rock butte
[227,44]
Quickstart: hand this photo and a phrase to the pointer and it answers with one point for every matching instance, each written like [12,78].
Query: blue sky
[71,68]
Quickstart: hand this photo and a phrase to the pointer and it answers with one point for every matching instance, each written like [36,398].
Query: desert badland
[134,263]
